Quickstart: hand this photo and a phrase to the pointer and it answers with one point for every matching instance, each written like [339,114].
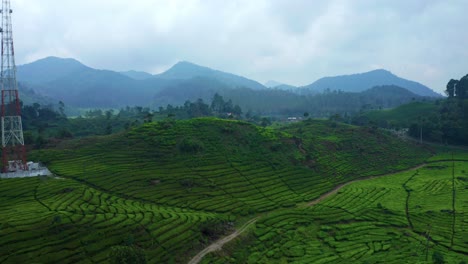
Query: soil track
[339,187]
[218,244]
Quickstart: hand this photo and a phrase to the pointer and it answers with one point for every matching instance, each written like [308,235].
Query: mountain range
[78,85]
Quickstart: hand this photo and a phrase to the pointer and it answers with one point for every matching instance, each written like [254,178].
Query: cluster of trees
[450,123]
[322,105]
[458,88]
[218,107]
[42,124]
[441,120]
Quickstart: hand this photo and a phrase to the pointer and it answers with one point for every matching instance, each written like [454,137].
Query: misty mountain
[363,81]
[29,96]
[272,84]
[78,85]
[190,89]
[186,70]
[281,86]
[137,75]
[49,69]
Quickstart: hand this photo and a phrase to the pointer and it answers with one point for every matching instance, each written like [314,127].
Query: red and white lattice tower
[13,150]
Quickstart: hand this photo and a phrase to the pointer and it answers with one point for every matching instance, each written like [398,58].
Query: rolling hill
[404,115]
[169,188]
[367,80]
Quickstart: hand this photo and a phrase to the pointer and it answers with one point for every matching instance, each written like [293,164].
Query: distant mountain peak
[189,66]
[188,70]
[272,84]
[381,70]
[137,75]
[183,62]
[53,59]
[49,69]
[366,80]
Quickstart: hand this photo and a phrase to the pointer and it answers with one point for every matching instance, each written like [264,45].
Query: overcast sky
[290,41]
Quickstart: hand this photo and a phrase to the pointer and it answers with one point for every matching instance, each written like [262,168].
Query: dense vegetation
[45,124]
[324,104]
[168,188]
[442,121]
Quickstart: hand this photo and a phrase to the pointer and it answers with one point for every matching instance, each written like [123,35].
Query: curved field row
[61,220]
[366,222]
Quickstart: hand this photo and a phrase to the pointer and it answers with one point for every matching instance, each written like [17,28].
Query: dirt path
[339,187]
[218,244]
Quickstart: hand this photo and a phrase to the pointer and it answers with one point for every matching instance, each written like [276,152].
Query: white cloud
[293,41]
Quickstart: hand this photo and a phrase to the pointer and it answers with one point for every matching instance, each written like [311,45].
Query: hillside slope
[169,188]
[404,115]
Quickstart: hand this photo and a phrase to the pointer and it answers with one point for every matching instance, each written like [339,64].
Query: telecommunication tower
[13,149]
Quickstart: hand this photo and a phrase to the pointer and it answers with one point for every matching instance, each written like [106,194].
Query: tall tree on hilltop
[217,104]
[451,88]
[457,88]
[462,88]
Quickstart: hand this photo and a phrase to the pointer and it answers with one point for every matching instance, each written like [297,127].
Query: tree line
[450,123]
[45,124]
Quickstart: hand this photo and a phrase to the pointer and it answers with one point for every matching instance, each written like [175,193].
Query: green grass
[171,187]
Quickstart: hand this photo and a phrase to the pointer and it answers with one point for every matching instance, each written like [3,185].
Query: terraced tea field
[170,188]
[61,221]
[403,218]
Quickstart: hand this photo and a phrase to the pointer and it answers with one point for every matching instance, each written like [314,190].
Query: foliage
[444,121]
[458,88]
[44,124]
[280,102]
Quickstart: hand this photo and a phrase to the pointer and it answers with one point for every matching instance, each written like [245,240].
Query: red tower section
[13,149]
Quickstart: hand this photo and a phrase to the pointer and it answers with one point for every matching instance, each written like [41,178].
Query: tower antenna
[13,149]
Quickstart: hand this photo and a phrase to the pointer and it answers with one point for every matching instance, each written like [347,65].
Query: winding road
[218,244]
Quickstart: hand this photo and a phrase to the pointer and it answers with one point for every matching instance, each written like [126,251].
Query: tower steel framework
[13,149]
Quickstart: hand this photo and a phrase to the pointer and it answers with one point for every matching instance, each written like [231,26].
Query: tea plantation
[169,188]
[419,216]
